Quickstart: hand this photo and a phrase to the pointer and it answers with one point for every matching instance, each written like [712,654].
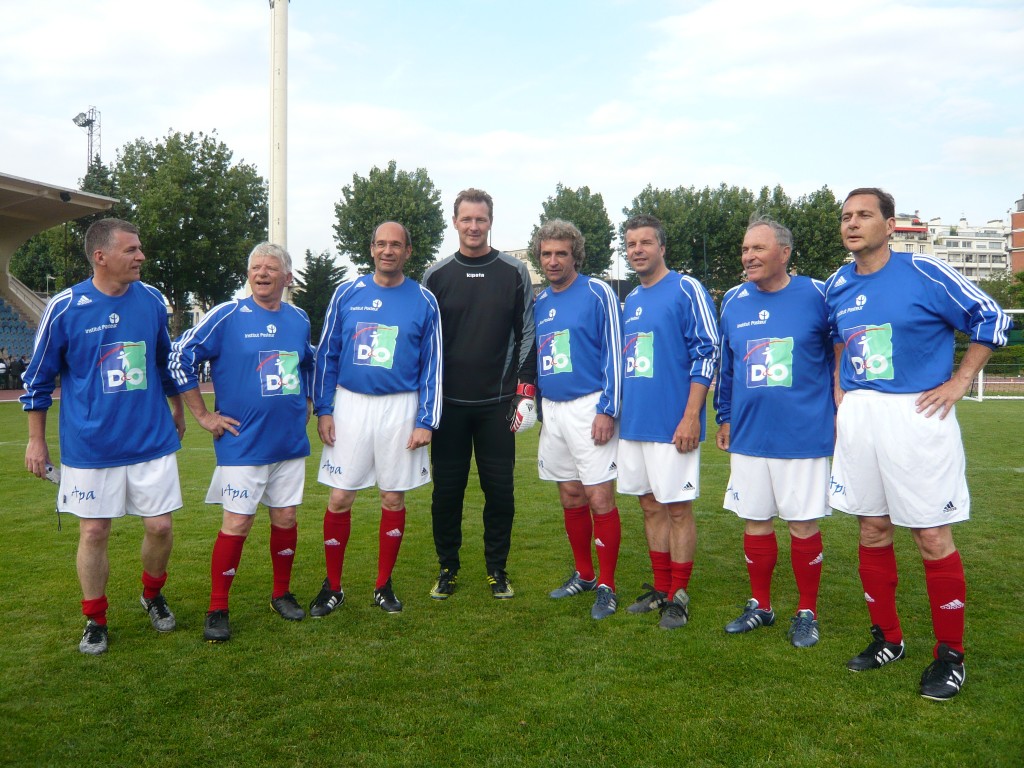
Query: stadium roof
[29,207]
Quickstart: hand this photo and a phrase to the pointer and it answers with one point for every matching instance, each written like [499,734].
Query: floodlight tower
[279,123]
[90,123]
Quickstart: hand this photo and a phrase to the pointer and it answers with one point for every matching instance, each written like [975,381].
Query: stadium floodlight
[81,120]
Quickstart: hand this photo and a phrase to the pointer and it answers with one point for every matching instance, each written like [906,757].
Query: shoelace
[650,595]
[159,604]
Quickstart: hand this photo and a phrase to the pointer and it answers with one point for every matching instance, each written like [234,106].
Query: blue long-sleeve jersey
[380,341]
[111,355]
[670,339]
[896,325]
[579,344]
[261,363]
[774,383]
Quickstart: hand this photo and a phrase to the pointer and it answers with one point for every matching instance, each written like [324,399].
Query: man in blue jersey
[486,303]
[579,364]
[377,395]
[775,414]
[262,362]
[670,346]
[106,338]
[899,459]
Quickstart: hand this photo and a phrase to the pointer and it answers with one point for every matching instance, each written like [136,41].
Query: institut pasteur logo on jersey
[123,366]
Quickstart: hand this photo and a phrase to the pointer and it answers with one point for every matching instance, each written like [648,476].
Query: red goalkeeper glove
[523,412]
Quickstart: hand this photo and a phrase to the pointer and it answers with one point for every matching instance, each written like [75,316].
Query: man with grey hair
[106,338]
[775,414]
[579,364]
[261,361]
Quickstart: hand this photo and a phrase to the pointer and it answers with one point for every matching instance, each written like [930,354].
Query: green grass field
[478,682]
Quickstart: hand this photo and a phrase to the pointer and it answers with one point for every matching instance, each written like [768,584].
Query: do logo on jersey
[870,351]
[123,366]
[279,373]
[375,344]
[555,353]
[769,362]
[639,354]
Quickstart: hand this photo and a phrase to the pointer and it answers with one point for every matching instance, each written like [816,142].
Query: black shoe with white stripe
[878,654]
[945,676]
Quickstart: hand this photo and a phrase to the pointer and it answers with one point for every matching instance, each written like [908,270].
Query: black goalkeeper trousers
[465,430]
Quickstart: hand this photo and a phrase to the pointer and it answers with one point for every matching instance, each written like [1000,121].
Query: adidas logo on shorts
[950,507]
[688,486]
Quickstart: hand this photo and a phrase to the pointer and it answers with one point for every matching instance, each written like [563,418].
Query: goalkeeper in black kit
[490,374]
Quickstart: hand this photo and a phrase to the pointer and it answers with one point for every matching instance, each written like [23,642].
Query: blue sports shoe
[604,604]
[573,586]
[803,629]
[751,618]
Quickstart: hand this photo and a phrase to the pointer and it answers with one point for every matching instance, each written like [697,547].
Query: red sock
[227,554]
[947,594]
[661,564]
[579,529]
[151,585]
[282,555]
[607,537]
[680,577]
[879,578]
[761,554]
[389,541]
[337,528]
[96,609]
[807,557]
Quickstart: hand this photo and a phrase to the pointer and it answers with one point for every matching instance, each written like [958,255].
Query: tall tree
[198,216]
[314,287]
[586,210]
[410,199]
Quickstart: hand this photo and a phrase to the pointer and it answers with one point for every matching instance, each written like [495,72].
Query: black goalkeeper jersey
[486,306]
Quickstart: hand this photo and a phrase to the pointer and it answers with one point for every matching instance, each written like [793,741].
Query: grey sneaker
[573,586]
[216,628]
[604,604]
[945,676]
[878,653]
[287,607]
[501,587]
[651,600]
[384,596]
[676,612]
[803,629]
[160,615]
[94,639]
[751,618]
[326,601]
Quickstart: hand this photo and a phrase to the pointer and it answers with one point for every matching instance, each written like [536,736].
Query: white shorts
[241,489]
[790,489]
[147,489]
[371,432]
[891,460]
[566,450]
[660,469]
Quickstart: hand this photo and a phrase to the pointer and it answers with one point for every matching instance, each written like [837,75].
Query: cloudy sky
[922,97]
